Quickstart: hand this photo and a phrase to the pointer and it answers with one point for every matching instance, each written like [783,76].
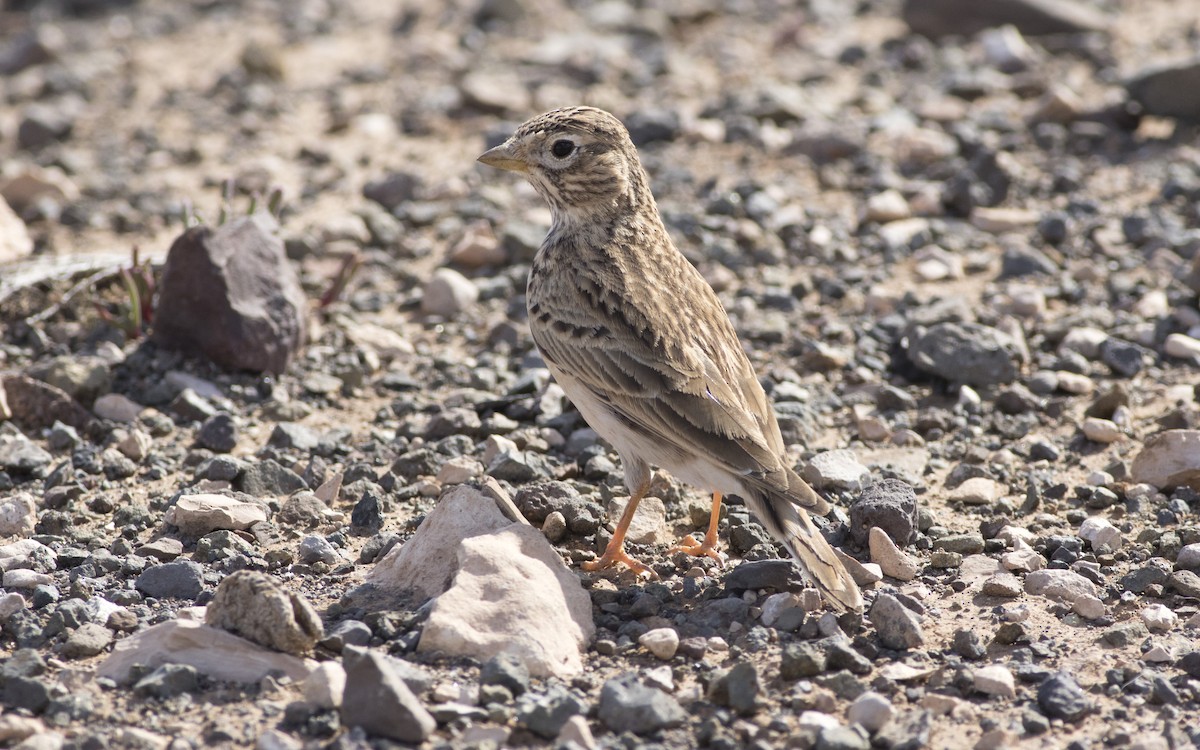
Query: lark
[642,346]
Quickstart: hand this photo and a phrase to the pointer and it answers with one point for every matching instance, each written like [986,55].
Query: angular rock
[39,405]
[326,685]
[995,680]
[1060,697]
[20,455]
[649,524]
[897,626]
[238,281]
[196,515]
[965,353]
[257,607]
[1169,459]
[88,639]
[835,469]
[448,294]
[889,505]
[891,560]
[512,593]
[626,705]
[213,652]
[377,699]
[422,564]
[182,579]
[1066,585]
[18,515]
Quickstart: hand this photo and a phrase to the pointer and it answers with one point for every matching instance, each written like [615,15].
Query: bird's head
[579,159]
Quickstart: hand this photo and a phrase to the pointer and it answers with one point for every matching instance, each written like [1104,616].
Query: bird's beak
[503,157]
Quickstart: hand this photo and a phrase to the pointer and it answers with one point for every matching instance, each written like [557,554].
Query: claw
[613,557]
[707,548]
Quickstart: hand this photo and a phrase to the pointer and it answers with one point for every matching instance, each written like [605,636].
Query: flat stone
[897,626]
[1059,584]
[196,515]
[977,491]
[117,408]
[20,455]
[937,18]
[965,353]
[88,639]
[213,652]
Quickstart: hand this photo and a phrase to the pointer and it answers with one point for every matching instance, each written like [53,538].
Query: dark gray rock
[267,477]
[897,626]
[907,731]
[626,705]
[393,190]
[88,640]
[219,433]
[237,280]
[168,681]
[781,575]
[506,670]
[1143,578]
[890,504]
[1171,90]
[366,516]
[347,633]
[1023,260]
[1060,697]
[182,579]
[737,688]
[293,436]
[1124,357]
[801,660]
[22,456]
[968,644]
[378,700]
[938,18]
[546,714]
[965,353]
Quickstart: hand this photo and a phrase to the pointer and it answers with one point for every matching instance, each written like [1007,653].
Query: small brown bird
[642,346]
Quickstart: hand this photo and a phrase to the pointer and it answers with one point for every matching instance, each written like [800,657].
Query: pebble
[1100,534]
[1182,346]
[1167,459]
[1158,617]
[21,578]
[1101,430]
[977,491]
[88,639]
[662,642]
[893,562]
[1060,697]
[196,515]
[836,469]
[995,680]
[377,699]
[448,294]
[897,626]
[626,705]
[18,515]
[966,353]
[1004,585]
[182,579]
[889,505]
[871,711]
[117,408]
[1059,584]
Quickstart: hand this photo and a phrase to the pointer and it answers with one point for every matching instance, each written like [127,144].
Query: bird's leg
[707,548]
[615,551]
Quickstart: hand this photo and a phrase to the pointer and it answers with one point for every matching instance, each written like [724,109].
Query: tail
[790,524]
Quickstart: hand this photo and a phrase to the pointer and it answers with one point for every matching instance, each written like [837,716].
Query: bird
[644,349]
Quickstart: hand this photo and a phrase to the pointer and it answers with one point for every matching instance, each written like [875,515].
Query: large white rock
[500,586]
[214,652]
[425,562]
[197,515]
[512,593]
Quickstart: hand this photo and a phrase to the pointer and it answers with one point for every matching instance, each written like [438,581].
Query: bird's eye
[562,149]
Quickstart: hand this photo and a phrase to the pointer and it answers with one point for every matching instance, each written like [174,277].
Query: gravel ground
[966,269]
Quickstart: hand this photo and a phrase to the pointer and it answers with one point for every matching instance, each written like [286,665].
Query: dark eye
[562,149]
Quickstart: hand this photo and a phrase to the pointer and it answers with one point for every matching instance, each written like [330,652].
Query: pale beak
[502,157]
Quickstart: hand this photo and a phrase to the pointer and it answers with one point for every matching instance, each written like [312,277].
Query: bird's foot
[707,548]
[612,557]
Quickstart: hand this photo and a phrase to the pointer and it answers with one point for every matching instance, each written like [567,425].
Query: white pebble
[1099,533]
[662,642]
[1073,382]
[995,680]
[21,578]
[892,561]
[871,711]
[1181,346]
[1158,617]
[1100,479]
[1189,557]
[1101,430]
[448,293]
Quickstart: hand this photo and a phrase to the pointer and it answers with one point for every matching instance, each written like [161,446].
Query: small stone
[1060,697]
[1185,583]
[88,639]
[887,206]
[977,491]
[1004,585]
[1158,617]
[18,515]
[135,445]
[897,626]
[218,433]
[1182,346]
[889,505]
[117,408]
[448,294]
[1169,459]
[738,688]
[1059,584]
[965,353]
[196,515]
[893,562]
[1100,534]
[1088,607]
[662,642]
[182,579]
[507,671]
[626,705]
[836,469]
[168,681]
[377,699]
[995,680]
[1101,430]
[871,711]
[649,524]
[258,607]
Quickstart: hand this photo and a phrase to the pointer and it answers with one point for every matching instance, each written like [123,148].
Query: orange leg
[615,551]
[707,548]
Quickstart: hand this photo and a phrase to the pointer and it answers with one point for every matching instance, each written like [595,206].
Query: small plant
[133,315]
[342,279]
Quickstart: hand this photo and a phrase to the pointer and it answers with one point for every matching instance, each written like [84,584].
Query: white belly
[685,465]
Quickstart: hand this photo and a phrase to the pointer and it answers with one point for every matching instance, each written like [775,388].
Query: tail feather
[790,524]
